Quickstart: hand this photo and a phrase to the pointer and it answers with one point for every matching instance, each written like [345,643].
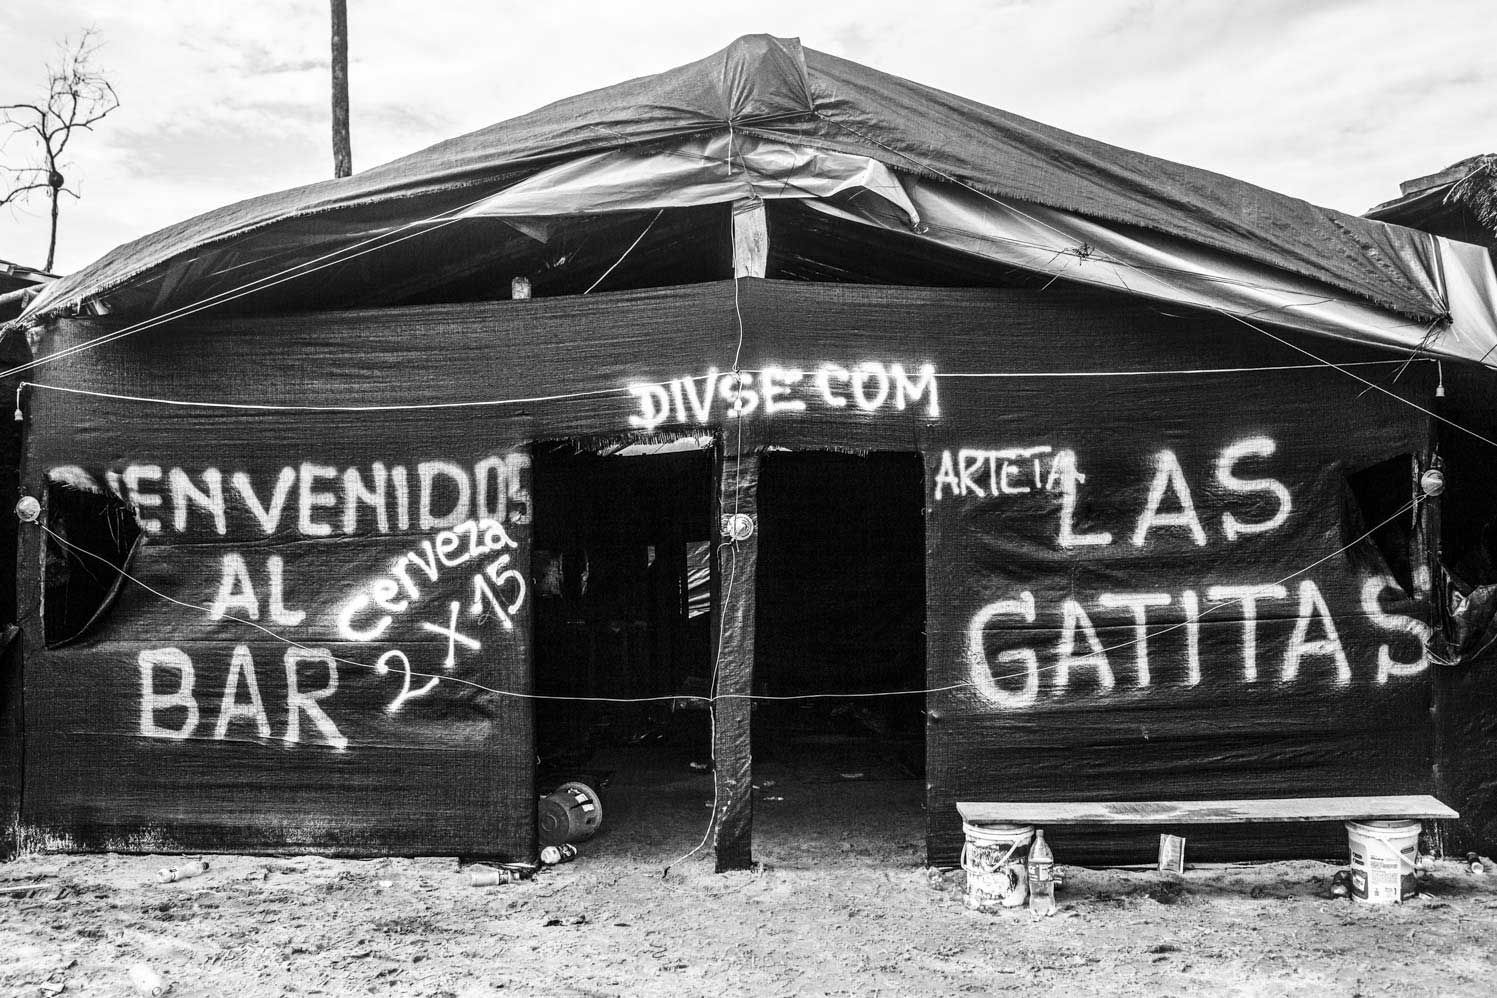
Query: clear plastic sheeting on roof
[1152,265]
[705,169]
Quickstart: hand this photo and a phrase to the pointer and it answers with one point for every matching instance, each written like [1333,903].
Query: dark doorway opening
[621,577]
[841,610]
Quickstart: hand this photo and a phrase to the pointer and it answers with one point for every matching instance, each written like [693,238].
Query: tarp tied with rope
[1040,197]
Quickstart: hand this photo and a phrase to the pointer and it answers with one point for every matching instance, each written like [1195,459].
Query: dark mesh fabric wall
[1073,486]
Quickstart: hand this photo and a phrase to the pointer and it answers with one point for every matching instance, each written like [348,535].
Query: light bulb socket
[738,527]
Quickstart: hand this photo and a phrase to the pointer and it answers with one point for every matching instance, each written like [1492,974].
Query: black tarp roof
[774,87]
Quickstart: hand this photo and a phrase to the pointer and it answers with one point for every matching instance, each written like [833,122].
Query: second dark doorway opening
[841,610]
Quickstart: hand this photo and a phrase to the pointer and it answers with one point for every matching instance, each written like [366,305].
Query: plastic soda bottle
[1041,875]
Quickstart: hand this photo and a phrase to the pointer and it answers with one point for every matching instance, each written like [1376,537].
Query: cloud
[1332,101]
[266,64]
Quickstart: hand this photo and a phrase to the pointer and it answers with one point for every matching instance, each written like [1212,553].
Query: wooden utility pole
[342,152]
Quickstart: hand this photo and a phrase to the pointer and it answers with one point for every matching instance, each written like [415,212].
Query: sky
[1334,101]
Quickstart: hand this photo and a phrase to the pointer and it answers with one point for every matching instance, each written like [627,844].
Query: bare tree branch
[78,97]
[19,193]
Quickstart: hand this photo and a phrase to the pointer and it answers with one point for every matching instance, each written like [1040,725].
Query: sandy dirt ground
[850,914]
[839,904]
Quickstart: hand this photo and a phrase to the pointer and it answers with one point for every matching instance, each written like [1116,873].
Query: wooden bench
[1169,813]
[1203,812]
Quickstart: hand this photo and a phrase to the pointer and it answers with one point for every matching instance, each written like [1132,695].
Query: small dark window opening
[82,573]
[1378,492]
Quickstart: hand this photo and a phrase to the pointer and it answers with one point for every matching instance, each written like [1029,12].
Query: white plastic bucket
[993,858]
[1383,855]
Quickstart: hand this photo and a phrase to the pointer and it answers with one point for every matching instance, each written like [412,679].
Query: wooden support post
[737,557]
[750,238]
[12,741]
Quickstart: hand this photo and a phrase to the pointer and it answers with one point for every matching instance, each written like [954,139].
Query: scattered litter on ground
[492,878]
[186,871]
[857,914]
[555,855]
[1341,884]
